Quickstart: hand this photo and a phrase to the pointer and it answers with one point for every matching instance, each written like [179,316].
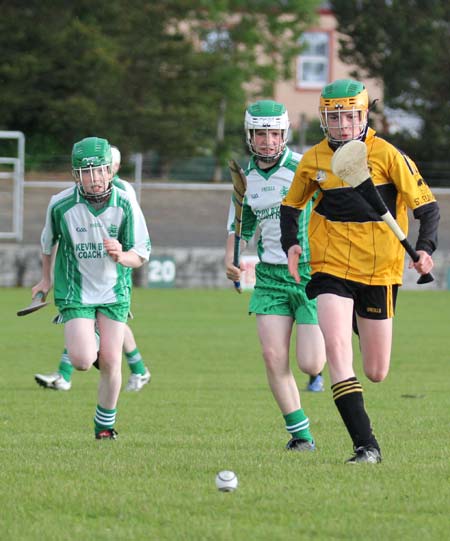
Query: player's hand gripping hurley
[239,188]
[349,163]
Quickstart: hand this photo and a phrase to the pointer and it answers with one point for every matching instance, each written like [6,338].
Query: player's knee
[311,365]
[272,361]
[82,365]
[111,364]
[81,362]
[376,374]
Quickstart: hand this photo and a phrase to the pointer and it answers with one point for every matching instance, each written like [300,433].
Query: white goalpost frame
[17,175]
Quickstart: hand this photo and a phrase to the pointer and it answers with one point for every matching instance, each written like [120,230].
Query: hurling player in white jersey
[277,300]
[61,379]
[99,233]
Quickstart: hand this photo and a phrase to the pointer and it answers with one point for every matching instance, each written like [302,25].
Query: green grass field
[209,408]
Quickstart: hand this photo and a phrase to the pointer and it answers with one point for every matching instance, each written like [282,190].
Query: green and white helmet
[266,115]
[92,161]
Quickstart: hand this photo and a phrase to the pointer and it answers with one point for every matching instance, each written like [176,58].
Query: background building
[318,65]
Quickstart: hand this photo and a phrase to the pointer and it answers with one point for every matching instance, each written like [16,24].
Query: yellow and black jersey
[347,238]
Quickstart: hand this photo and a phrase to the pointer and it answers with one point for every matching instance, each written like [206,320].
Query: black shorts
[371,302]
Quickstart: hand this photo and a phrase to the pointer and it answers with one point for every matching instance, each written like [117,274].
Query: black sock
[96,362]
[349,401]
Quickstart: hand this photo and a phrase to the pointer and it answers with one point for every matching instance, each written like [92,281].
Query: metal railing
[15,232]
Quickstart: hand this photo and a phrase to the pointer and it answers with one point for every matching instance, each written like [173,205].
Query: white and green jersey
[265,191]
[84,272]
[125,186]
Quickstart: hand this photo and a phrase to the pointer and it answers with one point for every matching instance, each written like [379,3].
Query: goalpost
[11,188]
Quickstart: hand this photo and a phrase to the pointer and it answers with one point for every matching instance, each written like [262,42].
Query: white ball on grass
[226,481]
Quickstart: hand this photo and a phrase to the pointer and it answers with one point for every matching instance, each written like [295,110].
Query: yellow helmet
[344,95]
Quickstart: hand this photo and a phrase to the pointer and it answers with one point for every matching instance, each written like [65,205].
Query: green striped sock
[297,424]
[104,418]
[135,362]
[65,367]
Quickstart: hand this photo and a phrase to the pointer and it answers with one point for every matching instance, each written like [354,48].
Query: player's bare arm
[127,259]
[289,229]
[294,254]
[232,272]
[45,284]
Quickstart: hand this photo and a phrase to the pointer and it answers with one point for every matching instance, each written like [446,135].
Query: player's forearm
[47,267]
[131,259]
[229,249]
[428,215]
[289,227]
[45,283]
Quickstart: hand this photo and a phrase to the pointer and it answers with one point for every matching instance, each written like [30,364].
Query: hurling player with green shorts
[99,233]
[277,300]
[61,379]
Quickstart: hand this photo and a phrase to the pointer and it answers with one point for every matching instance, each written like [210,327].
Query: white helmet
[116,158]
[266,115]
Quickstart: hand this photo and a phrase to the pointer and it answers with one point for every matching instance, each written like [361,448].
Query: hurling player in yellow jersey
[357,262]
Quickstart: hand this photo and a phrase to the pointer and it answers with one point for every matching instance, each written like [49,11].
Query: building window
[312,64]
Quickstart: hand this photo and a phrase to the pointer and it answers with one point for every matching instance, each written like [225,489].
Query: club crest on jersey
[113,230]
[284,191]
[320,176]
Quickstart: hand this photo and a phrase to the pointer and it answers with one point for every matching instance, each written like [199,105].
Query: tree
[70,70]
[56,67]
[405,44]
[171,77]
[250,45]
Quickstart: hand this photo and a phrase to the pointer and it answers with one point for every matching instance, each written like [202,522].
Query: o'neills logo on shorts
[373,310]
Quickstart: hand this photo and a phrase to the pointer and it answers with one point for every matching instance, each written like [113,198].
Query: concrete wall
[20,266]
[191,223]
[195,267]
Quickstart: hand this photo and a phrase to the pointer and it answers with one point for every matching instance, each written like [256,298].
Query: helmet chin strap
[101,198]
[268,159]
[96,198]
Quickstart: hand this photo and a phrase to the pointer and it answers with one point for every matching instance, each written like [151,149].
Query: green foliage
[405,44]
[149,76]
[314,132]
[207,408]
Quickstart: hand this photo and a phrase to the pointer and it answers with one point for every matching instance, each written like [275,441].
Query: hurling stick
[239,181]
[349,163]
[37,303]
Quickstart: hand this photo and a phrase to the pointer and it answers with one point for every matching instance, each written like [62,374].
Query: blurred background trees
[172,78]
[405,43]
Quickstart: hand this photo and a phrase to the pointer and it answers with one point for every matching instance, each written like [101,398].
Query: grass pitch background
[209,408]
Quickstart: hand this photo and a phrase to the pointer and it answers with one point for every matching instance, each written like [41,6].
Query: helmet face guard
[94,183]
[92,168]
[344,111]
[269,116]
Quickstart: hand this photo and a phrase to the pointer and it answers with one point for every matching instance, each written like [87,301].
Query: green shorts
[59,318]
[118,311]
[276,293]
